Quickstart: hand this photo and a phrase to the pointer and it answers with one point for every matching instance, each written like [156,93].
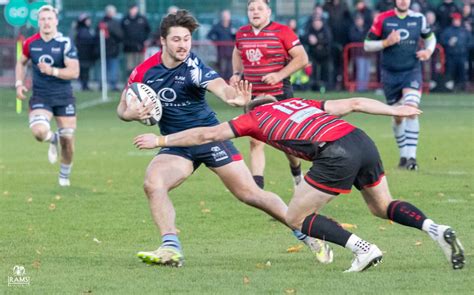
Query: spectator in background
[223,34]
[432,23]
[357,33]
[86,46]
[423,5]
[318,12]
[444,12]
[113,38]
[456,40]
[339,21]
[365,12]
[318,41]
[468,14]
[384,5]
[293,25]
[135,32]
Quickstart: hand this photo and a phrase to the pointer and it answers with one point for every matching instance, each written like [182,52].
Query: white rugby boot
[447,240]
[365,259]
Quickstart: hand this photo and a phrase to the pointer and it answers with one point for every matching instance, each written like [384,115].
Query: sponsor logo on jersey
[47,59]
[36,49]
[151,81]
[56,49]
[392,25]
[180,78]
[209,74]
[411,24]
[404,34]
[254,55]
[167,94]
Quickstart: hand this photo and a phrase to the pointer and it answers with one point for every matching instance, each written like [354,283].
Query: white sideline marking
[92,103]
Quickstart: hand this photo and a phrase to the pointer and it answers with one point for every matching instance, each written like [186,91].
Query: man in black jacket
[113,37]
[223,35]
[135,31]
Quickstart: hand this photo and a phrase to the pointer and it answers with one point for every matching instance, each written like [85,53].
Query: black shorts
[213,154]
[350,160]
[394,82]
[68,109]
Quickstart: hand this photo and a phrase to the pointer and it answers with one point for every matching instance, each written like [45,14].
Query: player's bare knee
[39,132]
[256,145]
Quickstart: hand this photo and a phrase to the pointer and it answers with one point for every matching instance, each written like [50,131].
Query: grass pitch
[83,239]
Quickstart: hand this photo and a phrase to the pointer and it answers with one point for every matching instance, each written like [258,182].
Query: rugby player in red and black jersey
[343,156]
[266,53]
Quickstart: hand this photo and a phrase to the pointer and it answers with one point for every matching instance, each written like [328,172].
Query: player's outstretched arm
[190,137]
[20,70]
[343,107]
[231,95]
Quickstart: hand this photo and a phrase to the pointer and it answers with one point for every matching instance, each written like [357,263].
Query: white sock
[65,171]
[412,130]
[430,228]
[357,245]
[400,137]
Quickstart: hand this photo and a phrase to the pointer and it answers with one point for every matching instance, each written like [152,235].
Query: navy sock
[323,228]
[171,240]
[406,214]
[259,181]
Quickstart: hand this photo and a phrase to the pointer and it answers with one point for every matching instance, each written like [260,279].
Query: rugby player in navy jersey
[343,156]
[181,79]
[397,33]
[266,53]
[54,63]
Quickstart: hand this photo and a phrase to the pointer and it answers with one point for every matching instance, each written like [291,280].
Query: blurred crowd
[331,26]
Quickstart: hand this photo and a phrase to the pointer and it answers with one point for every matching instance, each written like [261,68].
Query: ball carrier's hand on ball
[137,110]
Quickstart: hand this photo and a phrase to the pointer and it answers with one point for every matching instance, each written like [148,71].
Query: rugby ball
[142,92]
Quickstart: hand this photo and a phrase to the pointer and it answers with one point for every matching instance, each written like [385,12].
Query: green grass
[232,241]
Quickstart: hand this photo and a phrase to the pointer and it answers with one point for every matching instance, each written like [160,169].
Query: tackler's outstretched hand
[243,95]
[407,111]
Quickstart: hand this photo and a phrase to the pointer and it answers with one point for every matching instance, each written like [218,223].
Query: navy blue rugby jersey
[401,56]
[181,91]
[45,87]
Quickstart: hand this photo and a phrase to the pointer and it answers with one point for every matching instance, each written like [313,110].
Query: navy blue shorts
[394,82]
[214,154]
[65,110]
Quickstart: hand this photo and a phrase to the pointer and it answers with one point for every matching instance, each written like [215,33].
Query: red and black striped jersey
[295,126]
[264,53]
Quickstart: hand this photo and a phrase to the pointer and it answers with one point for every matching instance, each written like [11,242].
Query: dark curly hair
[182,18]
